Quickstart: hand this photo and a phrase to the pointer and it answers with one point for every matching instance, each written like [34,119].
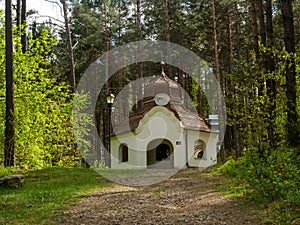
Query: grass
[276,212]
[45,193]
[157,191]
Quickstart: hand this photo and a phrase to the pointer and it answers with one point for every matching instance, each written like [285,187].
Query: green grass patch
[230,187]
[129,171]
[45,193]
[5,171]
[157,191]
[282,213]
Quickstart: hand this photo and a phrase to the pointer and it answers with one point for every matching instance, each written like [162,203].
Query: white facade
[161,141]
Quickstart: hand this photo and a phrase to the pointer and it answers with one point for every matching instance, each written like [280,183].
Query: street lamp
[110,100]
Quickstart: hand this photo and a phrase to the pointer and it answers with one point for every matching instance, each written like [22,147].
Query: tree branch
[50,17]
[58,4]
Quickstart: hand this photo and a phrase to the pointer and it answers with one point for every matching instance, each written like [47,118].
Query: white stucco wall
[210,153]
[160,123]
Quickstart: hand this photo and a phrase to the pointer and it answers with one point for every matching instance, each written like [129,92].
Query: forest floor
[190,197]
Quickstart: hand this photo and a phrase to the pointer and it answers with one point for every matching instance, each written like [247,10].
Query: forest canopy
[253,48]
[42,107]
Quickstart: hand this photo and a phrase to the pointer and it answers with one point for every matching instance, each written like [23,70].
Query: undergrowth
[270,177]
[5,171]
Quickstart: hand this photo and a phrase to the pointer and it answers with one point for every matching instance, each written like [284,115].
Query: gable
[188,120]
[158,119]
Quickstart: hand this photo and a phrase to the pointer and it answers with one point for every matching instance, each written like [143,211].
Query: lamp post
[110,100]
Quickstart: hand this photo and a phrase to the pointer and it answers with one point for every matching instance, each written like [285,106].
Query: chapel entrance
[160,154]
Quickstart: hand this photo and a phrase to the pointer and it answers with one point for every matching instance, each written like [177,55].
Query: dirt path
[187,198]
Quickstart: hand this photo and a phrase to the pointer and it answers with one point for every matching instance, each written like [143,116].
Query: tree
[42,108]
[254,27]
[107,112]
[23,21]
[262,22]
[21,15]
[245,53]
[290,73]
[18,13]
[217,69]
[9,149]
[139,64]
[167,33]
[70,47]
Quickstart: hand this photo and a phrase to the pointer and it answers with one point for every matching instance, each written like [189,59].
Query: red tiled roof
[190,120]
[163,84]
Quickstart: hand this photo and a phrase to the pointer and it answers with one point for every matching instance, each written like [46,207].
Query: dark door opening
[162,152]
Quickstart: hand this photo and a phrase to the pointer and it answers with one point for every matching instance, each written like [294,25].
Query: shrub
[234,168]
[43,109]
[5,171]
[273,174]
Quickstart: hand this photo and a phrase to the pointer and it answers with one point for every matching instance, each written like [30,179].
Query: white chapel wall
[158,123]
[210,140]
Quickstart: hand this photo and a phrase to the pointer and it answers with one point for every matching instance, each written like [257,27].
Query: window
[199,149]
[123,152]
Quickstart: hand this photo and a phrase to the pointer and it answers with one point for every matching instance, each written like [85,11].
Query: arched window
[123,153]
[199,149]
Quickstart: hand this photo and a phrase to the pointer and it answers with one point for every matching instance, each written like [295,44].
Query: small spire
[162,64]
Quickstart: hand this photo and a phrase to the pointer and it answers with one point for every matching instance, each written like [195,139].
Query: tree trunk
[255,28]
[234,134]
[167,32]
[262,22]
[217,68]
[263,38]
[270,67]
[289,41]
[106,117]
[9,145]
[18,14]
[23,21]
[106,48]
[70,47]
[237,32]
[299,26]
[139,63]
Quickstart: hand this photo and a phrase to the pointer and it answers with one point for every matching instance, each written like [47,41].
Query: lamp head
[110,98]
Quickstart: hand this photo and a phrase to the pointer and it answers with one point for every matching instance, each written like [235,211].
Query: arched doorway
[160,154]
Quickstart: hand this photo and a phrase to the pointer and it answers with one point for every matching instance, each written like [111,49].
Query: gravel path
[186,198]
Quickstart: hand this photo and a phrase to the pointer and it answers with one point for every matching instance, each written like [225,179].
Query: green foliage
[271,177]
[5,171]
[81,125]
[250,107]
[43,126]
[272,174]
[45,193]
[234,168]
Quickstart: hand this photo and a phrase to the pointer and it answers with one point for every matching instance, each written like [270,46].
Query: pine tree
[9,149]
[290,73]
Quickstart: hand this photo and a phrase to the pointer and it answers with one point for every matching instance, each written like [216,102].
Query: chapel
[165,133]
